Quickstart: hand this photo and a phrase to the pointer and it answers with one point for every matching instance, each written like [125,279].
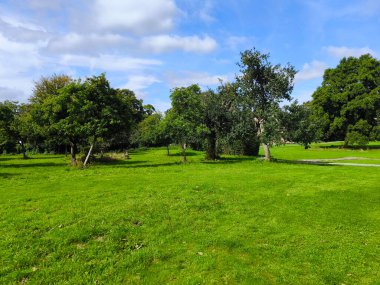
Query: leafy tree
[48,86]
[349,95]
[262,86]
[184,119]
[148,132]
[300,124]
[217,117]
[14,124]
[83,112]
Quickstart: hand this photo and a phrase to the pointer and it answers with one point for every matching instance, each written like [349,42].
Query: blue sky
[153,46]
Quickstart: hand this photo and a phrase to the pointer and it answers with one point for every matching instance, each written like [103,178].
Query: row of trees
[237,117]
[65,112]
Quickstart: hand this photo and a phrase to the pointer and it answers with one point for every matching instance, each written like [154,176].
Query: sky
[153,46]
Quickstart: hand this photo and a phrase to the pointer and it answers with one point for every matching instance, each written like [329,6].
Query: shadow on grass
[9,158]
[22,165]
[368,147]
[188,153]
[287,161]
[230,160]
[118,162]
[7,175]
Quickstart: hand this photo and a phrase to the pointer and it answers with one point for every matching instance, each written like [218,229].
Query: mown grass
[154,220]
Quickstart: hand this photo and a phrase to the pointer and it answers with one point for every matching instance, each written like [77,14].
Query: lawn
[154,220]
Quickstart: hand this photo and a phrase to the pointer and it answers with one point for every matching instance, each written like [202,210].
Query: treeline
[66,115]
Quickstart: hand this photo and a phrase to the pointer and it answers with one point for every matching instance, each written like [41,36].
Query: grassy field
[154,220]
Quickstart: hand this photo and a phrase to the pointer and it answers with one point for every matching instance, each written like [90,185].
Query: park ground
[154,220]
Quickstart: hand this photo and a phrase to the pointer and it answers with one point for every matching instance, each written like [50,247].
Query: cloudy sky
[151,46]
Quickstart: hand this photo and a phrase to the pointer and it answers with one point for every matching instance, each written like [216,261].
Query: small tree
[263,86]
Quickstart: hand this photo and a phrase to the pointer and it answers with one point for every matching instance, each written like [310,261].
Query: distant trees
[234,118]
[14,125]
[300,124]
[75,112]
[349,99]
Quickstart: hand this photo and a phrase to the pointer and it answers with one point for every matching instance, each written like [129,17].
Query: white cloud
[18,58]
[140,82]
[139,17]
[184,79]
[343,51]
[312,70]
[166,43]
[107,62]
[11,94]
[87,43]
[16,30]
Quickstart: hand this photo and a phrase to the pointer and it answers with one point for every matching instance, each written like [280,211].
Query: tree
[184,119]
[82,112]
[300,124]
[262,87]
[14,124]
[148,131]
[216,116]
[348,96]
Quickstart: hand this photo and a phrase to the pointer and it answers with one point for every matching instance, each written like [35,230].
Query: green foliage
[84,112]
[350,93]
[149,131]
[184,120]
[300,124]
[262,86]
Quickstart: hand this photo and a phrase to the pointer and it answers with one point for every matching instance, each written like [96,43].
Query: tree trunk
[167,151]
[211,147]
[88,155]
[73,151]
[266,151]
[183,146]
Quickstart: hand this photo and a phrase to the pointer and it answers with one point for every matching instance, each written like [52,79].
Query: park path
[327,161]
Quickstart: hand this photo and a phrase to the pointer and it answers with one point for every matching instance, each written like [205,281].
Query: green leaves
[350,93]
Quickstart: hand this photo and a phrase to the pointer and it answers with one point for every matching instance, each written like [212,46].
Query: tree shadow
[45,157]
[156,165]
[8,158]
[118,162]
[287,161]
[230,160]
[367,147]
[8,175]
[188,153]
[27,165]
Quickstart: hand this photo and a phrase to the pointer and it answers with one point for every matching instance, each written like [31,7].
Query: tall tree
[348,96]
[263,86]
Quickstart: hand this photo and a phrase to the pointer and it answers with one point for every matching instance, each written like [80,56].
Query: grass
[154,220]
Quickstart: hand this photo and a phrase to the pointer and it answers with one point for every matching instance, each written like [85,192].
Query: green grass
[154,220]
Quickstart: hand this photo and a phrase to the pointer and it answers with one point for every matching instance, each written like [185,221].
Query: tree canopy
[349,99]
